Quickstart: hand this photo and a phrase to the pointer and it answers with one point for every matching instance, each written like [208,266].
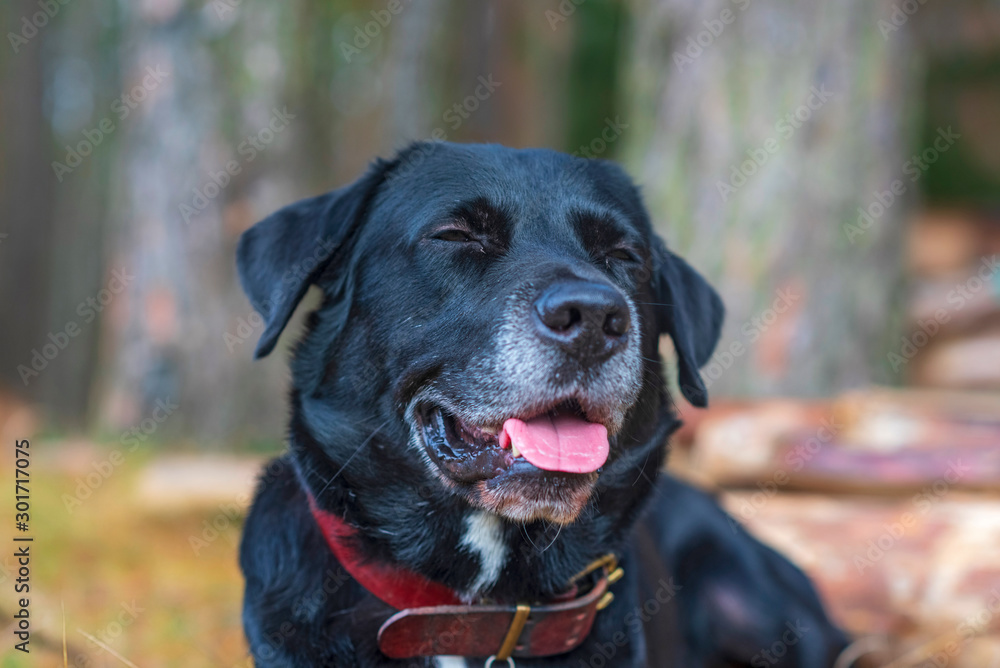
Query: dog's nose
[587,319]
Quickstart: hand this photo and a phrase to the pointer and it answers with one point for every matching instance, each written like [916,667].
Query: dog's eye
[454,234]
[623,254]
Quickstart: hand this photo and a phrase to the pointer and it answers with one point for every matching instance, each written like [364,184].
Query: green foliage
[958,88]
[594,70]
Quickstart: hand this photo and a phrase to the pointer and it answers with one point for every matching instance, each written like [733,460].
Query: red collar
[432,620]
[399,587]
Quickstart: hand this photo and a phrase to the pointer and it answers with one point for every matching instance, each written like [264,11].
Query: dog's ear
[279,257]
[691,312]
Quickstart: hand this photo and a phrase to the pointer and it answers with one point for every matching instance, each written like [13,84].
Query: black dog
[478,413]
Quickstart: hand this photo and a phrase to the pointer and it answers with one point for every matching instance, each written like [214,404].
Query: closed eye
[453,234]
[623,254]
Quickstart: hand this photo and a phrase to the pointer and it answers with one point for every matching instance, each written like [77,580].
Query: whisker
[344,465]
[552,542]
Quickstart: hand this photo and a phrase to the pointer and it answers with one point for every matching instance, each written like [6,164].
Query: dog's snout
[587,319]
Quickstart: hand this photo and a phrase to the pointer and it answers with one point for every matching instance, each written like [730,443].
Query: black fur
[410,318]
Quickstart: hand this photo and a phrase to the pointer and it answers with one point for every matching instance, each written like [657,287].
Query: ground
[119,572]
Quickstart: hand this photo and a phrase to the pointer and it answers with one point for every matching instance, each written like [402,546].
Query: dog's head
[490,319]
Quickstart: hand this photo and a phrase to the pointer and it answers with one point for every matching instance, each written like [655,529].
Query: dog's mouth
[534,465]
[560,439]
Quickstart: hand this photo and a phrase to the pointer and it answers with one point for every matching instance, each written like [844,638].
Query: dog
[479,419]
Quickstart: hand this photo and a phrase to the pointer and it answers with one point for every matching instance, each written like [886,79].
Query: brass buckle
[612,571]
[609,562]
[513,633]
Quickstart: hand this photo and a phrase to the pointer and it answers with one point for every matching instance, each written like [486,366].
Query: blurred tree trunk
[52,260]
[762,192]
[81,267]
[26,199]
[210,122]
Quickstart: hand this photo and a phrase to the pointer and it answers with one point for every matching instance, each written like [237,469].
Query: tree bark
[26,203]
[763,193]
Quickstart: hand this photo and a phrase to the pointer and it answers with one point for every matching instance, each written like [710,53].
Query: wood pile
[889,499]
[953,312]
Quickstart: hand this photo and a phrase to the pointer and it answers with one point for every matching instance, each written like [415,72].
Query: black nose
[587,319]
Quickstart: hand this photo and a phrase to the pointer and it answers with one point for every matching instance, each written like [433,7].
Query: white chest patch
[482,537]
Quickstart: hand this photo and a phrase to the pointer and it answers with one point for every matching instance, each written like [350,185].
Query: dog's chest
[483,537]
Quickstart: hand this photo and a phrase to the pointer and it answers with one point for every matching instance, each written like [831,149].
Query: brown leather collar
[502,631]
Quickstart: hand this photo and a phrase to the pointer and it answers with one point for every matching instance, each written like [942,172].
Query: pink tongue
[561,443]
